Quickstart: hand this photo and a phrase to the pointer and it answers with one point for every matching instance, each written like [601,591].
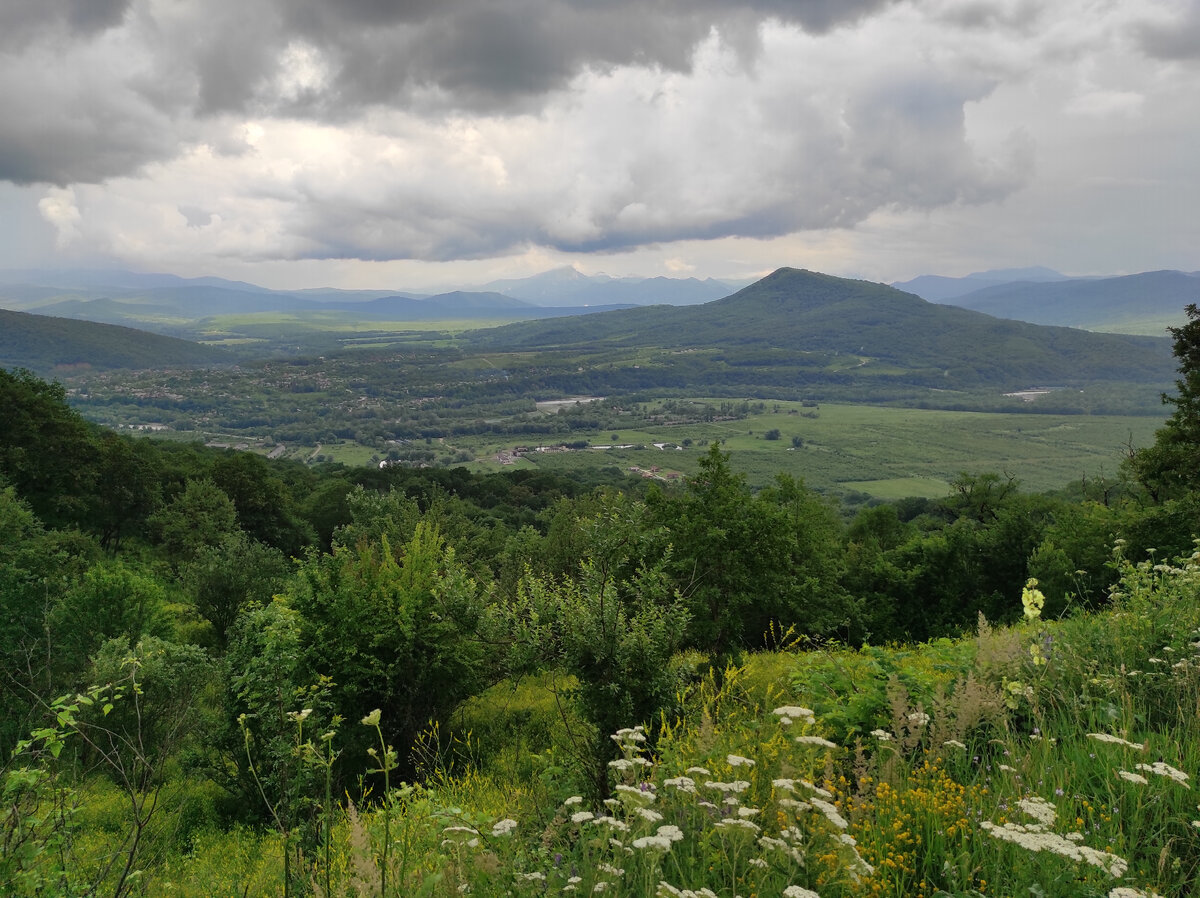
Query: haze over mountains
[1144,303]
[988,335]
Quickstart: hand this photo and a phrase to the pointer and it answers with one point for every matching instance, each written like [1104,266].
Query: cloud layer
[465,129]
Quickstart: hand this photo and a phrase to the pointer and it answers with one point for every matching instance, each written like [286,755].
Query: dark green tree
[198,518]
[263,501]
[224,578]
[46,450]
[1171,467]
[744,562]
[128,487]
[112,600]
[36,567]
[613,627]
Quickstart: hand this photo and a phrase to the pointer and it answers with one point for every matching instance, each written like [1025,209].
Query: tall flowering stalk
[386,758]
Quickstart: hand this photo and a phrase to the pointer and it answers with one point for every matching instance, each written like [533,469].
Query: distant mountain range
[1145,303]
[166,303]
[882,328]
[832,328]
[1139,304]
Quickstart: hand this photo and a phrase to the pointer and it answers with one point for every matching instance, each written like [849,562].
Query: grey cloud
[901,144]
[204,59]
[24,20]
[1178,40]
[480,55]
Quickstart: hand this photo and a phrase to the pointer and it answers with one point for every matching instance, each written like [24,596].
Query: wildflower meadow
[1051,757]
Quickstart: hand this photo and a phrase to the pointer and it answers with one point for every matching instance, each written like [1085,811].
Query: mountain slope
[1153,298]
[937,288]
[804,312]
[43,344]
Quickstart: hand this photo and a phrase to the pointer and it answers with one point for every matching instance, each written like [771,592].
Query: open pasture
[883,452]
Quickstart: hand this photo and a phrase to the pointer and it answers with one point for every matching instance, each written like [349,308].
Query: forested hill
[44,344]
[804,311]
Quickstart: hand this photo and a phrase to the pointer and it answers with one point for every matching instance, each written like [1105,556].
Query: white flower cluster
[813,787]
[1039,809]
[787,714]
[682,783]
[799,892]
[1161,769]
[737,786]
[661,840]
[1034,838]
[504,827]
[1116,740]
[666,890]
[815,740]
[831,813]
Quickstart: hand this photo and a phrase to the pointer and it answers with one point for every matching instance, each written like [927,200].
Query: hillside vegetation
[895,334]
[45,344]
[225,675]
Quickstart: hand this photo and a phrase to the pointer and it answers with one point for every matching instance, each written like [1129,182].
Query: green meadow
[879,451]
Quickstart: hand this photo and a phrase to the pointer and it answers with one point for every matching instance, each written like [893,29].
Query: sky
[412,143]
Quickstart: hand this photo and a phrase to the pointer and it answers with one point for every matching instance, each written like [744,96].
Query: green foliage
[224,578]
[745,562]
[614,629]
[1169,467]
[200,517]
[37,567]
[111,601]
[392,629]
[46,449]
[262,500]
[128,488]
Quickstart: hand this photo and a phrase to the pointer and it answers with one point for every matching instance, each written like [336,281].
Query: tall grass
[1052,758]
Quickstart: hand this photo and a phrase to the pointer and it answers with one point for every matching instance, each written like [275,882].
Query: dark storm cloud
[20,21]
[466,129]
[485,56]
[198,59]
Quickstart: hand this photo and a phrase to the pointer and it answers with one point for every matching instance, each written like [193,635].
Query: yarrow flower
[799,892]
[1035,839]
[831,813]
[1132,777]
[788,713]
[882,735]
[1116,740]
[737,786]
[1161,769]
[738,761]
[504,827]
[815,740]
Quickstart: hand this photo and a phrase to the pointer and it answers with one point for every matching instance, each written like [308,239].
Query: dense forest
[185,631]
